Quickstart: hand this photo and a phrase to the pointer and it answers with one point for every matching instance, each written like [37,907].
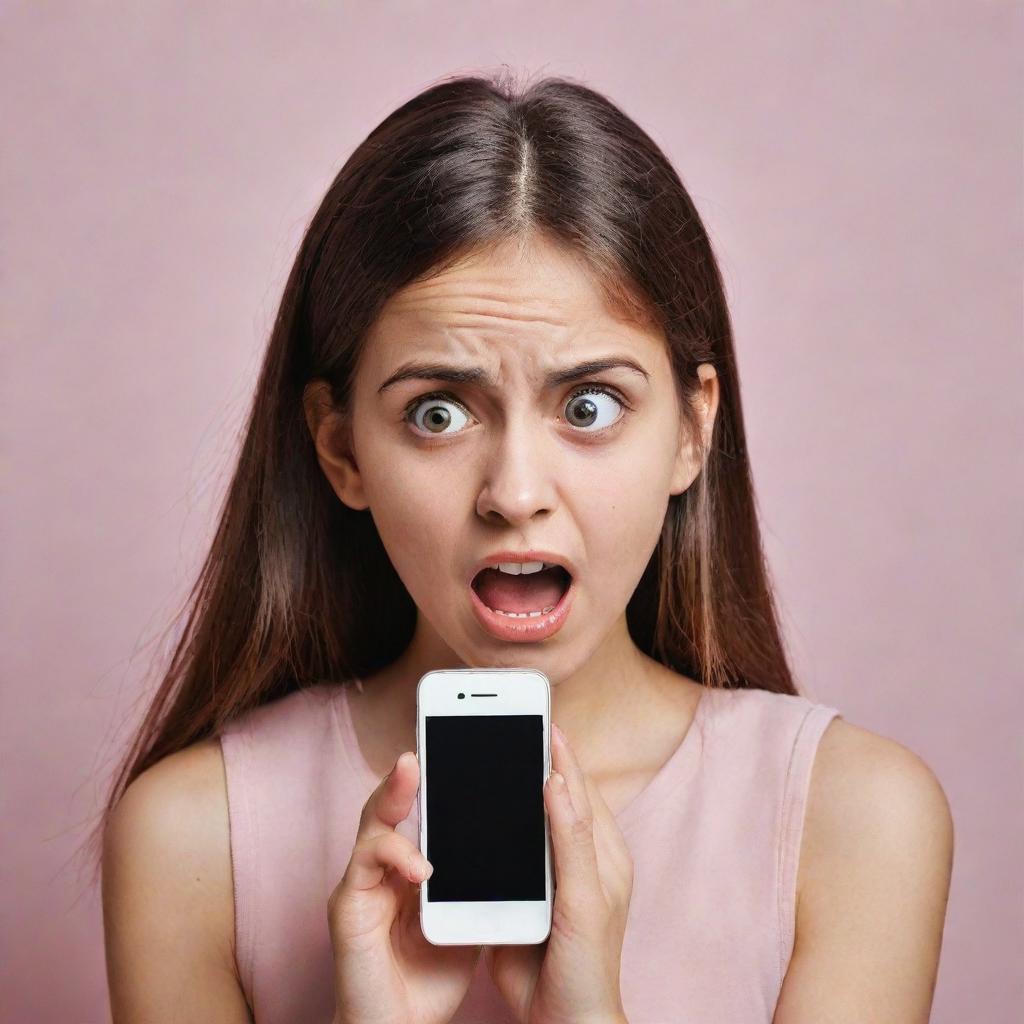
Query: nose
[519,477]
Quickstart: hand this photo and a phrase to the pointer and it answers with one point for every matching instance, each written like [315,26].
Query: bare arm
[168,905]
[873,884]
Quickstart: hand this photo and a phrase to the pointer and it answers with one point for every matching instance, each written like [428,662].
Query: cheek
[628,482]
[417,520]
[619,508]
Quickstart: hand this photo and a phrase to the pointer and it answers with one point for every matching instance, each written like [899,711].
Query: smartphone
[483,739]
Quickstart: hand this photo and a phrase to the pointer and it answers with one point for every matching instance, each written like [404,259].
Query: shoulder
[873,880]
[871,796]
[181,798]
[167,839]
[167,874]
[174,812]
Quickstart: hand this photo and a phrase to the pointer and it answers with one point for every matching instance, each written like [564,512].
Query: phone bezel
[515,691]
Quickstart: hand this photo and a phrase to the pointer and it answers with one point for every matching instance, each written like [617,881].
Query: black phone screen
[485,807]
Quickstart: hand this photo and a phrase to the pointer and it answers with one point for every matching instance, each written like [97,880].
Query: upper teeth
[516,568]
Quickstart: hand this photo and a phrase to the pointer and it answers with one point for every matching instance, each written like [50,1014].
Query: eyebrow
[480,378]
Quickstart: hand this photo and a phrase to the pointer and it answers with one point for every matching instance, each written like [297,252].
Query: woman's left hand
[573,977]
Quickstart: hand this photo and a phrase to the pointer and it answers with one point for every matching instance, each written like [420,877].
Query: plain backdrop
[859,169]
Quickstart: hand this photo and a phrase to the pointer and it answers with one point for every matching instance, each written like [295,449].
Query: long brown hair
[295,585]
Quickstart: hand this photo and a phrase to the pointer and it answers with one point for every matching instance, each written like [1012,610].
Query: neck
[594,703]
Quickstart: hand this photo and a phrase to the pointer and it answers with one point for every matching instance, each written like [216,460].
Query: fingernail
[557,782]
[558,732]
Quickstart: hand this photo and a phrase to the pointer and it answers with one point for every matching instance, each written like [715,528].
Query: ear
[690,457]
[332,438]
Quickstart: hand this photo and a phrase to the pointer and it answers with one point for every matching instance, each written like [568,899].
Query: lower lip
[524,630]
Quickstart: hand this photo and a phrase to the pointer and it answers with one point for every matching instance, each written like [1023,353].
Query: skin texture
[167,895]
[872,885]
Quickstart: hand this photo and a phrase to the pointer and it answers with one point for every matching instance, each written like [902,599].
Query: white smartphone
[483,739]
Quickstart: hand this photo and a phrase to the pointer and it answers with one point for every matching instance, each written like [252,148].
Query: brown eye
[584,411]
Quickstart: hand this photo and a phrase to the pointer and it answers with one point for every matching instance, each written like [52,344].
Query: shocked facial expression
[502,413]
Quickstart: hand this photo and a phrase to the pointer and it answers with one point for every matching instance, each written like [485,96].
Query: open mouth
[524,595]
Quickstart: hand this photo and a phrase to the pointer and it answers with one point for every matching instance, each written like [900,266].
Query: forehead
[532,299]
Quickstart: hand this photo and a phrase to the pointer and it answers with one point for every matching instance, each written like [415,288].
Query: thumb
[514,971]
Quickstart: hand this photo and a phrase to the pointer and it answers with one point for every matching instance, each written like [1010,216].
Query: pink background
[859,168]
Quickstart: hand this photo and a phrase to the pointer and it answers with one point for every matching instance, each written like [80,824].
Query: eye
[585,413]
[437,416]
[581,411]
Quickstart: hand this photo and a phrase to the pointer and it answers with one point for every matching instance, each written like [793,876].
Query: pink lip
[524,630]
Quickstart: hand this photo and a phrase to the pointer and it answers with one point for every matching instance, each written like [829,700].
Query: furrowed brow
[480,378]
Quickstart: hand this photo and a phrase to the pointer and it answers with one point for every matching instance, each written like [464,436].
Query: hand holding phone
[385,970]
[576,975]
[489,818]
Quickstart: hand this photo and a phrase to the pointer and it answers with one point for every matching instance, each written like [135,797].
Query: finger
[372,857]
[572,839]
[564,761]
[391,802]
[606,828]
[614,860]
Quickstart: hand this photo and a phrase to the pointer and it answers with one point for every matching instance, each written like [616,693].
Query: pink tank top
[715,838]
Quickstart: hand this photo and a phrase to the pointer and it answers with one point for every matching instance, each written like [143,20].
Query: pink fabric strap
[791,825]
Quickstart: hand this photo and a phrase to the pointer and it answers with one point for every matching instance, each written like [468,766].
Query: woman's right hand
[384,969]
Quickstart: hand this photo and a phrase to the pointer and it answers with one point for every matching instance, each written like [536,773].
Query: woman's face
[513,461]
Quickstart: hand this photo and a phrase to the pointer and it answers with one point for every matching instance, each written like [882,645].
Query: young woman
[505,339]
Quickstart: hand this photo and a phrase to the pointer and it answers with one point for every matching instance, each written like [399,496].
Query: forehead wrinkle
[546,372]
[488,316]
[478,311]
[502,359]
[502,292]
[498,352]
[482,318]
[478,339]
